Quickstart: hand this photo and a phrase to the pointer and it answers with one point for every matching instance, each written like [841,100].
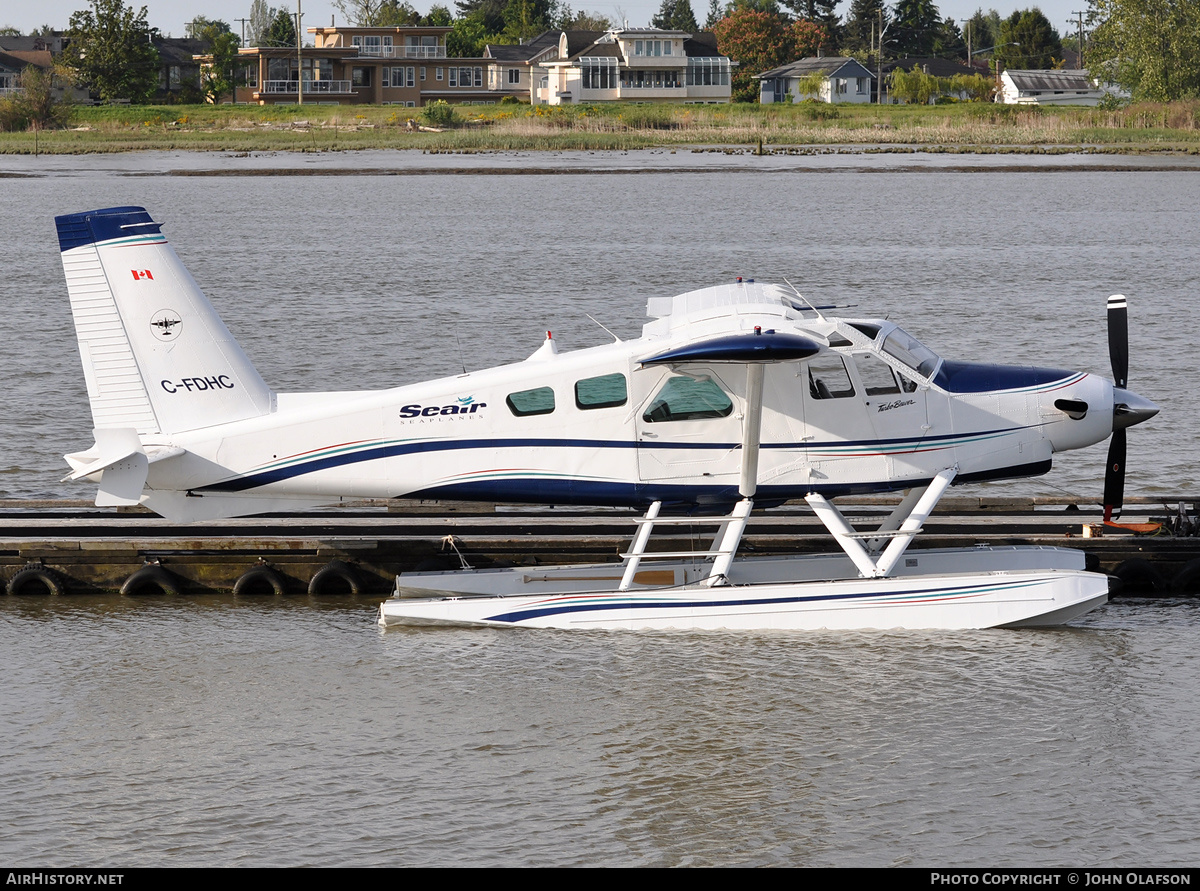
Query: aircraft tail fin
[156,356]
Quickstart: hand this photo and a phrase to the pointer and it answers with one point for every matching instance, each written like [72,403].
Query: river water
[292,732]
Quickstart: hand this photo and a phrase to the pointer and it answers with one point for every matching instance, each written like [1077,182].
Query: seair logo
[198,384]
[464,405]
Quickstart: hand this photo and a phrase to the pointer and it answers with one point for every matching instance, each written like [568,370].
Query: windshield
[903,346]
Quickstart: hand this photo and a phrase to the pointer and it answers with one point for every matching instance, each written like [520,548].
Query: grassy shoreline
[969,128]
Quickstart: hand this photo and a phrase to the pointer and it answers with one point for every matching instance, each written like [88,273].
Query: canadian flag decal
[139,274]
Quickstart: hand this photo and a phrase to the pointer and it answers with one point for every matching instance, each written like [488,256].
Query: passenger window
[605,391]
[828,379]
[539,401]
[877,376]
[688,399]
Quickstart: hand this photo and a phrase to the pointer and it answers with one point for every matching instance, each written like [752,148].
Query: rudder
[156,356]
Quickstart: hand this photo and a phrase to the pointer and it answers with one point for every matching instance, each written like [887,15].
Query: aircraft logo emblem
[166,324]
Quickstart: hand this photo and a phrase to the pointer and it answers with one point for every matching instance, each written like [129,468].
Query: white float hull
[969,600]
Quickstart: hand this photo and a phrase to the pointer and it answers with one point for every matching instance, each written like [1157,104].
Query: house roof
[930,65]
[37,58]
[1027,79]
[703,43]
[830,66]
[522,52]
[52,44]
[179,50]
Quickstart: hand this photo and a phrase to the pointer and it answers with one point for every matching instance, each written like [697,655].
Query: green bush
[439,114]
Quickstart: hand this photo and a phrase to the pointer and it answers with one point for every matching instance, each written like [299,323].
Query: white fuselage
[856,418]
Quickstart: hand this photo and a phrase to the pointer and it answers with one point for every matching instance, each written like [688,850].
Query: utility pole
[1080,14]
[243,21]
[299,59]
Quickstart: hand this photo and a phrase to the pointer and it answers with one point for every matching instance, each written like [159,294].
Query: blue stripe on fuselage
[374,453]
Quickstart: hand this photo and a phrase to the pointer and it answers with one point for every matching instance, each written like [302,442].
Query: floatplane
[737,396]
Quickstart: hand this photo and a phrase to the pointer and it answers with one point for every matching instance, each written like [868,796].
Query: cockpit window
[828,379]
[688,399]
[870,330]
[876,375]
[903,346]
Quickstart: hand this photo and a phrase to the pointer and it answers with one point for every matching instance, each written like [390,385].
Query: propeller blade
[1114,476]
[1118,339]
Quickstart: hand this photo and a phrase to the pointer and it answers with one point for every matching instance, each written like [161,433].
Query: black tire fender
[36,579]
[331,577]
[253,580]
[152,576]
[1138,578]
[1187,582]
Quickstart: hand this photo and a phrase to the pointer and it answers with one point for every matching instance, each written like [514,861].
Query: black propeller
[1118,354]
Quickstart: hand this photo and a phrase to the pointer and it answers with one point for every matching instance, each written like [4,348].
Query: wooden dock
[72,547]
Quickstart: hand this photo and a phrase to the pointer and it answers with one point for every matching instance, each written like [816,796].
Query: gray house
[843,80]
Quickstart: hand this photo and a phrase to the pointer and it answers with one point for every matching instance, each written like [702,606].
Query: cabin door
[689,426]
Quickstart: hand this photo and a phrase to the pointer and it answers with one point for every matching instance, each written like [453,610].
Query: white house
[1049,87]
[844,80]
[642,64]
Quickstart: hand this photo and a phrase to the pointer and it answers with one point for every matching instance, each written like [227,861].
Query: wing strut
[733,527]
[898,530]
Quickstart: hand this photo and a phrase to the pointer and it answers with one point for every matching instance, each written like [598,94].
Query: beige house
[639,64]
[364,66]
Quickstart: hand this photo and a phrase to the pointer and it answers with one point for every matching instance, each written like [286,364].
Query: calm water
[272,732]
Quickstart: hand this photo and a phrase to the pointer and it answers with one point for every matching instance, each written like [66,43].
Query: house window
[842,85]
[598,73]
[688,399]
[860,85]
[251,75]
[514,75]
[708,71]
[422,72]
[453,77]
[360,77]
[438,73]
[539,401]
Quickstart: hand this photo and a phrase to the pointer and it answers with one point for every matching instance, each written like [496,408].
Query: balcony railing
[311,87]
[403,52]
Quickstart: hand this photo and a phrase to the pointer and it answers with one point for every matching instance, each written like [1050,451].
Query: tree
[759,41]
[716,12]
[281,31]
[34,106]
[584,20]
[982,30]
[261,16]
[1153,47]
[110,51]
[915,28]
[439,16]
[823,12]
[1028,40]
[675,15]
[224,73]
[860,33]
[528,18]
[488,13]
